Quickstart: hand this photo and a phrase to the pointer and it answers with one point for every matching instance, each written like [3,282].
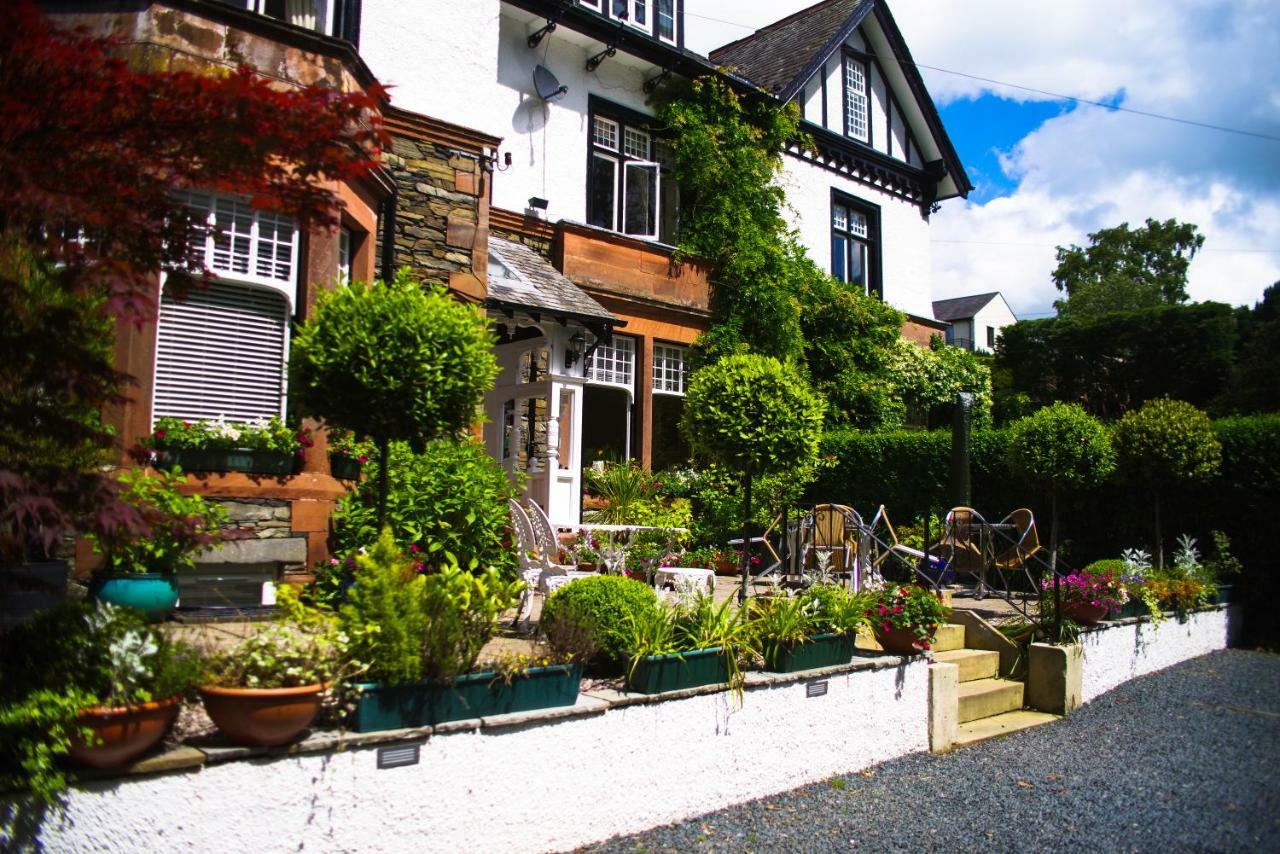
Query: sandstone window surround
[221,350]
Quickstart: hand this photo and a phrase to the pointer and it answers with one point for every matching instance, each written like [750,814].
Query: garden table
[675,574]
[614,552]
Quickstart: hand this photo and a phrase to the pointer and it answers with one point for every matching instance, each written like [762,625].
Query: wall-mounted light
[490,161]
[537,203]
[577,345]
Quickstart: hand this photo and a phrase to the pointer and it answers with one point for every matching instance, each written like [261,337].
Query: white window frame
[217,239]
[620,357]
[655,208]
[657,21]
[857,102]
[670,369]
[345,239]
[632,6]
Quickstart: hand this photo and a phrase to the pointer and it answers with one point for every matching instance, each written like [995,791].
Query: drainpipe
[388,217]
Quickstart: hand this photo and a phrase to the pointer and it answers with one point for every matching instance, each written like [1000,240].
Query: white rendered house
[974,322]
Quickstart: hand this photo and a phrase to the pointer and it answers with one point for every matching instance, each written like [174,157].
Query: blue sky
[1049,171]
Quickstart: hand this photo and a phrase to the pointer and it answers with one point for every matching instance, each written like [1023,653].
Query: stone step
[983,698]
[950,637]
[973,663]
[973,732]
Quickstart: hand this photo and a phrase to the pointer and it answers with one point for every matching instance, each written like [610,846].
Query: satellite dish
[546,85]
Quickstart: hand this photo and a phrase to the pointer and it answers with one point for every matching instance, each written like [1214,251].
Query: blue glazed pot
[154,594]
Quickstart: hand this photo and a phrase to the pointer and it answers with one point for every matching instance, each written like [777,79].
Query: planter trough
[657,674]
[252,462]
[824,650]
[473,695]
[344,467]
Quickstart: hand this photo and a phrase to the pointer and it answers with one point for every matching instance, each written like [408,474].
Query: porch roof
[528,281]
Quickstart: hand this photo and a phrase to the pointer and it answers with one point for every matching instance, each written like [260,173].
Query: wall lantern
[577,346]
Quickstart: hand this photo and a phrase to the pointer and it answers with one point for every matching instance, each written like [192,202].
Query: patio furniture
[540,573]
[678,576]
[769,575]
[1024,539]
[830,538]
[966,545]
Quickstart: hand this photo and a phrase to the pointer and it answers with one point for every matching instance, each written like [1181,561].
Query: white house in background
[974,322]
[579,207]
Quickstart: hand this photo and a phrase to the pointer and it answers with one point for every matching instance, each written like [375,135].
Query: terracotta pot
[727,567]
[1084,613]
[899,641]
[125,733]
[262,717]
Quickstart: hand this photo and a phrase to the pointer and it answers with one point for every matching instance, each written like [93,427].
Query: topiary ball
[604,603]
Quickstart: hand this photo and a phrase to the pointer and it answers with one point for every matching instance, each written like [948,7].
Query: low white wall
[1116,654]
[539,786]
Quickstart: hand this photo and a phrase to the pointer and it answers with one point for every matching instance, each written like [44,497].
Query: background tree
[755,416]
[1124,269]
[91,152]
[1257,374]
[393,362]
[1164,444]
[1060,448]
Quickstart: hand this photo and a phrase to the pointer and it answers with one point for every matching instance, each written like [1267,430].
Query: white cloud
[1211,61]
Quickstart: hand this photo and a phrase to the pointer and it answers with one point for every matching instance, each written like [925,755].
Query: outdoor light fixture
[537,203]
[577,345]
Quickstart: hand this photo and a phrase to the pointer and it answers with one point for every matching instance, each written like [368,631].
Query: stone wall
[438,222]
[258,518]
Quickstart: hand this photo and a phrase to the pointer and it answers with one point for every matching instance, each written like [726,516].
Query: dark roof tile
[961,308]
[534,284]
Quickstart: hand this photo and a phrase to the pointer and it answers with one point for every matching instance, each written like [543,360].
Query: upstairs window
[857,122]
[628,188]
[246,244]
[667,20]
[854,245]
[670,368]
[636,12]
[337,18]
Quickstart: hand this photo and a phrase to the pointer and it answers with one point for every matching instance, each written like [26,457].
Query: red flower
[160,435]
[883,610]
[886,626]
[414,548]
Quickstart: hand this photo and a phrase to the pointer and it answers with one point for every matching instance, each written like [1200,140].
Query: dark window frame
[624,118]
[872,242]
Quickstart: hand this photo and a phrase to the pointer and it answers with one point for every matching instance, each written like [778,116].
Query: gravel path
[1183,760]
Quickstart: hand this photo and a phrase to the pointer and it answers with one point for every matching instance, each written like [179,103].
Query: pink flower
[886,626]
[897,609]
[883,610]
[362,459]
[160,434]
[414,548]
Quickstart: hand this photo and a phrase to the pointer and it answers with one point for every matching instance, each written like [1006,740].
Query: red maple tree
[93,152]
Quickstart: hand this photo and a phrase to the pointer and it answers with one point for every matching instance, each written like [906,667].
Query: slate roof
[775,56]
[961,308]
[534,284]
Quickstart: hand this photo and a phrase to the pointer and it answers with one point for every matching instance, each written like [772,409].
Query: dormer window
[635,11]
[657,18]
[857,122]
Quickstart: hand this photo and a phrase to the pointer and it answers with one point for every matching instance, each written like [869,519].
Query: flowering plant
[222,435]
[176,526]
[304,648]
[345,443]
[1097,585]
[912,608]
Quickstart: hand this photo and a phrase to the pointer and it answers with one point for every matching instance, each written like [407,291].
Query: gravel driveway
[1187,759]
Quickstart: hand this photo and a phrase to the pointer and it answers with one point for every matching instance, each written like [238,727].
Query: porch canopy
[548,330]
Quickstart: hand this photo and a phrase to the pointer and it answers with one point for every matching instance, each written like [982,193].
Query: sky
[1049,171]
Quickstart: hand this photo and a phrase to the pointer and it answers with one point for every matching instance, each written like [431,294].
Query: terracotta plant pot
[1084,613]
[727,567]
[125,733]
[899,641]
[262,717]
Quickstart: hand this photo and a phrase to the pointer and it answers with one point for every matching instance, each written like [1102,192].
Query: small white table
[675,574]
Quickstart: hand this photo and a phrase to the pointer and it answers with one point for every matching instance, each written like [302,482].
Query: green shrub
[604,604]
[383,615]
[462,611]
[448,502]
[394,361]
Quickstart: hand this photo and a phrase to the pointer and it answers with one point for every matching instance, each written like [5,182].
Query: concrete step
[983,698]
[973,663]
[973,732]
[950,637]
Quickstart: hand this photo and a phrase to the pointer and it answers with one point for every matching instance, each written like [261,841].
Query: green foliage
[383,615]
[926,379]
[304,647]
[462,611]
[753,415]
[1124,269]
[1061,447]
[178,526]
[220,435]
[1168,442]
[715,499]
[448,502]
[1257,376]
[777,623]
[69,658]
[1113,363]
[602,604]
[393,361]
[628,490]
[688,626]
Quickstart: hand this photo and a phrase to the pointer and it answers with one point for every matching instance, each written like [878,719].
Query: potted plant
[265,446]
[348,454]
[905,620]
[90,683]
[268,688]
[814,628]
[688,645]
[419,637]
[597,607]
[586,552]
[140,565]
[1090,594]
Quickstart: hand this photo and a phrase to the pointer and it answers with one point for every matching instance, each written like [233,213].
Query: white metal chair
[538,568]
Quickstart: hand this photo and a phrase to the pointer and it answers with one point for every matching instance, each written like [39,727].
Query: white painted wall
[549,786]
[995,314]
[904,248]
[1114,655]
[469,63]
